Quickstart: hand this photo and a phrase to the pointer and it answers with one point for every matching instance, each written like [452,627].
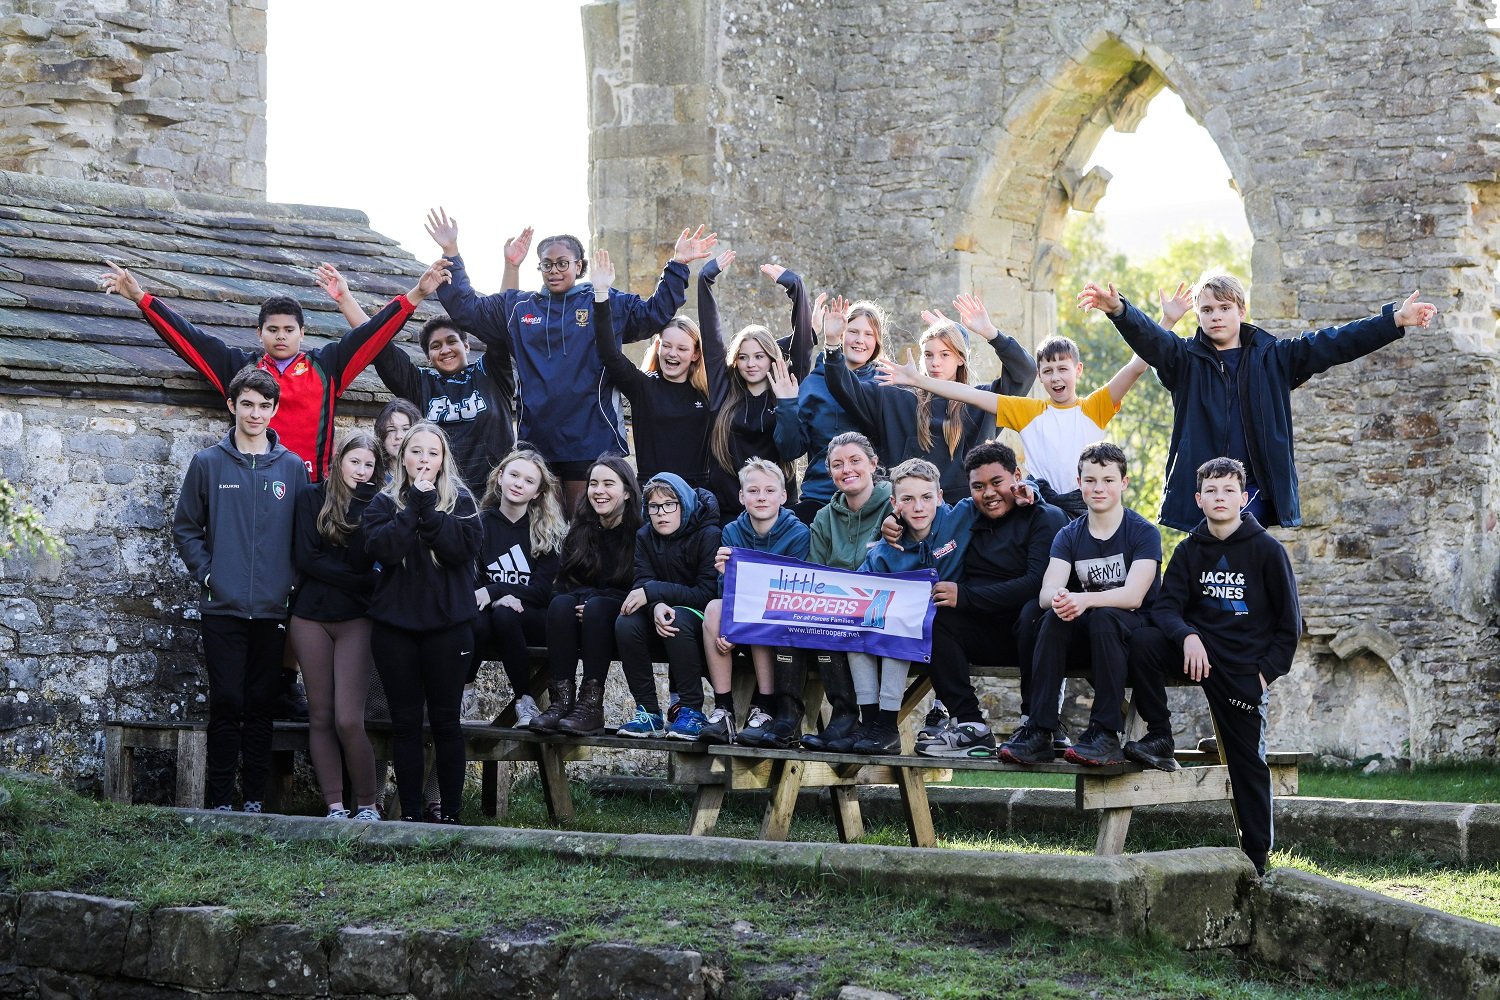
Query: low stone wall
[65,944]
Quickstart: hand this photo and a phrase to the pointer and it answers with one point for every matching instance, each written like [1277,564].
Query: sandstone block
[604,971]
[369,960]
[437,964]
[520,970]
[283,960]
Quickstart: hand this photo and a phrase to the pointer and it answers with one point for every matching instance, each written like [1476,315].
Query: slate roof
[214,259]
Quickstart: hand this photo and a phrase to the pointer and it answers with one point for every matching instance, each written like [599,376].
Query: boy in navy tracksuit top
[567,407]
[936,537]
[233,527]
[765,526]
[1231,387]
[1227,617]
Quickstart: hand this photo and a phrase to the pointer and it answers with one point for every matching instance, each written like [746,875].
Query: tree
[21,527]
[1144,425]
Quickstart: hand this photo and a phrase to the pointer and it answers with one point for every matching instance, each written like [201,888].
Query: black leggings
[425,669]
[592,636]
[503,633]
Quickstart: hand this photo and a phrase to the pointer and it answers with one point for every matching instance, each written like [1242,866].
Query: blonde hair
[448,484]
[876,315]
[719,439]
[697,373]
[548,526]
[765,468]
[1222,286]
[332,523]
[953,423]
[916,468]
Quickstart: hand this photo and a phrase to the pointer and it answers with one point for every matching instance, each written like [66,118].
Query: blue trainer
[688,725]
[645,724]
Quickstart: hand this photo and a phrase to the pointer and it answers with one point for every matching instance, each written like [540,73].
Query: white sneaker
[526,711]
[369,814]
[756,722]
[338,814]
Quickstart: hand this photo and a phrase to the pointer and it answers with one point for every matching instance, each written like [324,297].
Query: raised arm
[1126,378]
[337,288]
[708,324]
[515,252]
[1017,366]
[485,316]
[637,318]
[1313,353]
[625,375]
[206,354]
[1160,348]
[804,339]
[891,373]
[349,356]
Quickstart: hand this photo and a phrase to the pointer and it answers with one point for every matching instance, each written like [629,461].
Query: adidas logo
[511,567]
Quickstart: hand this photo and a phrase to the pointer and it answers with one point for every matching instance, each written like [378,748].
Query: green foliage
[21,527]
[1144,425]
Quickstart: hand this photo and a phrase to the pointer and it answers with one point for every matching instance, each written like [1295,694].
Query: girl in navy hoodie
[523,533]
[680,384]
[424,530]
[328,629]
[595,570]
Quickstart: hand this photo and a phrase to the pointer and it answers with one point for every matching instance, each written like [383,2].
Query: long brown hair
[738,393]
[697,374]
[953,425]
[588,554]
[333,523]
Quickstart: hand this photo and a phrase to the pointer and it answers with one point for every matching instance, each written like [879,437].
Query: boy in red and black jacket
[311,381]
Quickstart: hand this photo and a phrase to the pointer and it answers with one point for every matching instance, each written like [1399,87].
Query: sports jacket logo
[531,319]
[581,317]
[511,567]
[278,489]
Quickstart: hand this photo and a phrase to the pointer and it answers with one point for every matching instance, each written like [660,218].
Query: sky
[491,123]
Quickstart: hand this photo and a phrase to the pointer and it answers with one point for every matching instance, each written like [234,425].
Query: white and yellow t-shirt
[1053,436]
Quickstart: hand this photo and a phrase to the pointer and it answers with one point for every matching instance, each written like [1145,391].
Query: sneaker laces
[758,717]
[369,814]
[338,814]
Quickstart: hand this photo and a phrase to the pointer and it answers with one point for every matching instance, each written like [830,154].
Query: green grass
[807,932]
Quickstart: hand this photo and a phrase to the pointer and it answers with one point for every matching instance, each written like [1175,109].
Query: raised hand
[931,316]
[694,246]
[829,319]
[891,529]
[1412,312]
[1176,305]
[783,382]
[117,279]
[602,273]
[724,260]
[1094,297]
[443,230]
[516,247]
[435,275]
[331,281]
[973,314]
[887,372]
[772,271]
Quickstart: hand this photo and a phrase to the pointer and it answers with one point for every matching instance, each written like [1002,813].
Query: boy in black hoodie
[1228,614]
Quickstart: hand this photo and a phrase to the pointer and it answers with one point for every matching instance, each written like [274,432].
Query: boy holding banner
[764,526]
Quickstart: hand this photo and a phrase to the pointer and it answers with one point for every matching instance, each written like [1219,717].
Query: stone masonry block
[369,960]
[282,960]
[72,932]
[194,946]
[519,970]
[604,971]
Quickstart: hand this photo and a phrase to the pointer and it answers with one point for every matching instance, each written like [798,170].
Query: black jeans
[425,670]
[961,636]
[592,636]
[1106,634]
[243,659]
[1238,708]
[640,647]
[504,634]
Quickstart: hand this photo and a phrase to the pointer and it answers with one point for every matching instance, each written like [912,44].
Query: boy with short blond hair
[1228,618]
[1231,386]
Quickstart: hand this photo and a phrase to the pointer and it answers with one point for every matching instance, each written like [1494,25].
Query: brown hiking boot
[587,717]
[561,695]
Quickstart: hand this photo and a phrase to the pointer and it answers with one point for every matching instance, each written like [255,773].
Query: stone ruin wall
[141,92]
[913,149]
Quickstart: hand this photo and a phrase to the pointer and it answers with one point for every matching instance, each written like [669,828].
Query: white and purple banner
[774,600]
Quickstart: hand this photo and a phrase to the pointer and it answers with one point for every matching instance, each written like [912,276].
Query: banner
[774,600]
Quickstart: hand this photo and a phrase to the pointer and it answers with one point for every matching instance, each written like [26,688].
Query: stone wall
[167,95]
[916,149]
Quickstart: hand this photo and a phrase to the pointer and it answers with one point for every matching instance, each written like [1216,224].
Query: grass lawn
[813,934]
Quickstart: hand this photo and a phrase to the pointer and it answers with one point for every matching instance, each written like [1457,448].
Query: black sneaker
[719,731]
[1153,751]
[1030,745]
[837,730]
[935,725]
[879,738]
[1060,739]
[291,704]
[780,734]
[1097,747]
[845,743]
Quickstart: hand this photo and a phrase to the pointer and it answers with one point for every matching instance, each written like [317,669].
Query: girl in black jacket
[424,530]
[328,629]
[597,566]
[523,533]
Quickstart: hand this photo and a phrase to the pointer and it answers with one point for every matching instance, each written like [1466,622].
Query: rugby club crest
[582,316]
[278,489]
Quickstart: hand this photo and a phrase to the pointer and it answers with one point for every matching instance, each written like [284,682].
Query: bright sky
[375,107]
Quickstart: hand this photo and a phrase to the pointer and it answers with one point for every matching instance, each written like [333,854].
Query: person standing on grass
[1228,618]
[568,409]
[329,630]
[424,530]
[233,528]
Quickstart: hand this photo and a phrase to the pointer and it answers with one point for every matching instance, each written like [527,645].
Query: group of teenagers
[493,510]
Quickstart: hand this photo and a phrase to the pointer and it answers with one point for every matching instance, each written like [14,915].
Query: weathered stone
[72,932]
[604,971]
[196,946]
[369,960]
[523,970]
[9,908]
[1324,928]
[860,993]
[437,964]
[1196,899]
[1454,958]
[281,959]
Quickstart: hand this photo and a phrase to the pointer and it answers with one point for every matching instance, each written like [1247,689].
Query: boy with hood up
[1228,614]
[662,617]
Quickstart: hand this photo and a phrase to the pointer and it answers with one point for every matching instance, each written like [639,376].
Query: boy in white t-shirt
[1054,431]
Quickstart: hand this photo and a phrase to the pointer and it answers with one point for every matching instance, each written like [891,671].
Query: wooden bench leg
[119,766]
[279,786]
[192,767]
[489,772]
[914,804]
[707,802]
[777,822]
[846,815]
[1114,824]
[555,789]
